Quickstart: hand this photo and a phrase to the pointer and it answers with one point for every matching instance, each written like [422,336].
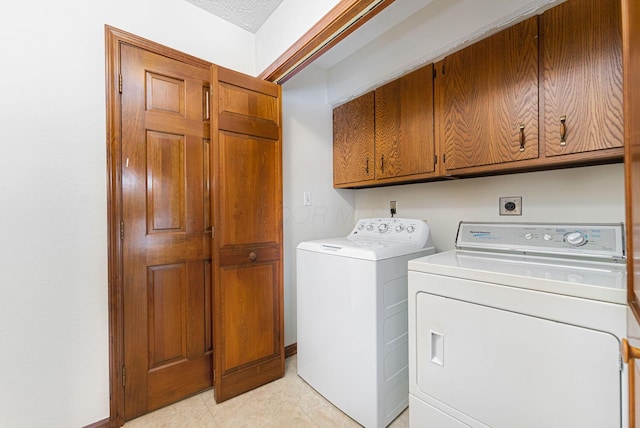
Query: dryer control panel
[582,240]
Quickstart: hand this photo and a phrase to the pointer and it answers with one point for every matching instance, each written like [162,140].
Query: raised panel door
[246,153]
[165,242]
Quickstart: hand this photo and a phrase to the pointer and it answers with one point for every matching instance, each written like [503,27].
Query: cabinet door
[353,141]
[488,99]
[582,72]
[404,139]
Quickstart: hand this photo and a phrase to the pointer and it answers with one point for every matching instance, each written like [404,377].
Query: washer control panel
[393,229]
[587,240]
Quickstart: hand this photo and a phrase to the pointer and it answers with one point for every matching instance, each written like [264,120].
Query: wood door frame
[343,19]
[113,39]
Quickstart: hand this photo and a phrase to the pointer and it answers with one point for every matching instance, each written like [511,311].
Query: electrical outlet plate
[511,205]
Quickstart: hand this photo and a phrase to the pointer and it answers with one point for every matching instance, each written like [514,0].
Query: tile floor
[287,402]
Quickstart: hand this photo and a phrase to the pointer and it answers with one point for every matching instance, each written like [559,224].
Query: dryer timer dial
[576,239]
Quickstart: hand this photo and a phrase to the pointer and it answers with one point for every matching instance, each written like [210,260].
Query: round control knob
[575,239]
[360,226]
[410,229]
[369,227]
[383,227]
[547,237]
[528,236]
[399,228]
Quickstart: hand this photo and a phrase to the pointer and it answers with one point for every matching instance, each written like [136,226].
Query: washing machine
[352,338]
[520,326]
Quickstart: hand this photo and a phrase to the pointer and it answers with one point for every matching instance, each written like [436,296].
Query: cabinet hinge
[124,376]
[434,72]
[435,159]
[122,230]
[444,158]
[213,232]
[443,69]
[120,83]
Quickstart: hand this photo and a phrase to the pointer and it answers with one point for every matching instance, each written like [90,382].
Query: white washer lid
[365,249]
[596,280]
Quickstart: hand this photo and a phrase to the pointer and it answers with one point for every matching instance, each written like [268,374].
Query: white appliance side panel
[392,337]
[336,304]
[505,369]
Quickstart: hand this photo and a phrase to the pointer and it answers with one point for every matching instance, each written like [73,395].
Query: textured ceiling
[247,14]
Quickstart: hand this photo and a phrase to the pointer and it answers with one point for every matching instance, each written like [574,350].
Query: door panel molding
[246,154]
[114,39]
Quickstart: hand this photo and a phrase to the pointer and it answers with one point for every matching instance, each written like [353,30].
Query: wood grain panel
[248,326]
[233,78]
[175,382]
[249,195]
[404,140]
[489,90]
[164,243]
[208,308]
[240,255]
[165,93]
[165,182]
[167,310]
[250,329]
[158,121]
[353,141]
[234,99]
[582,69]
[206,183]
[140,390]
[233,122]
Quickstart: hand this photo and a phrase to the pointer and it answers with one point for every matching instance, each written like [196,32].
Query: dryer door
[493,367]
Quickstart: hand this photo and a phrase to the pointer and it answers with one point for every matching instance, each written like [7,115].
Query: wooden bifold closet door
[195,227]
[247,247]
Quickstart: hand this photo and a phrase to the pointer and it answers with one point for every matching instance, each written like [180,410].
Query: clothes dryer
[520,326]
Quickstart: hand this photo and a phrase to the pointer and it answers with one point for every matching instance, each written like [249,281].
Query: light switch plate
[511,205]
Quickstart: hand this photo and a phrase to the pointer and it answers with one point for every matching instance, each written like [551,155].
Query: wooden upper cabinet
[353,142]
[582,77]
[487,95]
[387,135]
[404,140]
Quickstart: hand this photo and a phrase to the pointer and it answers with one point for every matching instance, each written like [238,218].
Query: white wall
[53,239]
[588,194]
[442,27]
[285,26]
[307,167]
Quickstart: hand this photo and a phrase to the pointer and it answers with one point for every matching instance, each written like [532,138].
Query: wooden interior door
[631,69]
[165,231]
[487,92]
[247,251]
